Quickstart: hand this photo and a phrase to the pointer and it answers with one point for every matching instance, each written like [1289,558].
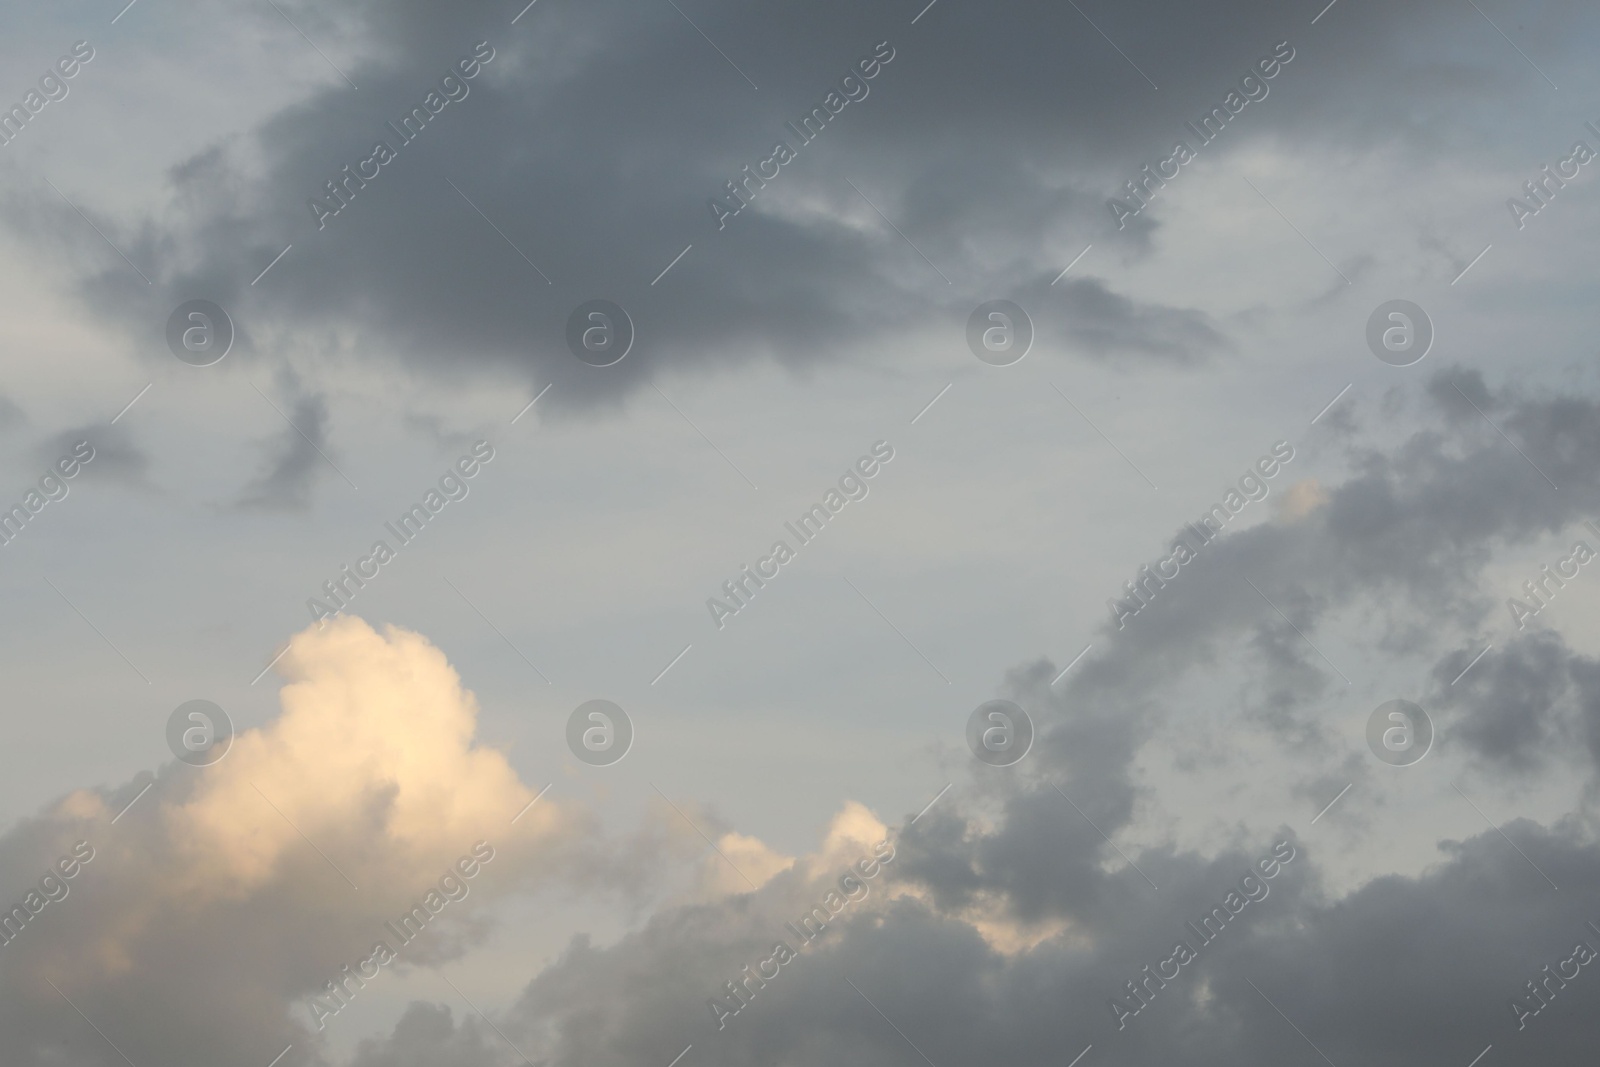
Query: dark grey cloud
[1515,704]
[1531,704]
[1402,971]
[596,136]
[1412,528]
[295,461]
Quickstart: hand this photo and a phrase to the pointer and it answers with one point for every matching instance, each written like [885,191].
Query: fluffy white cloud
[221,899]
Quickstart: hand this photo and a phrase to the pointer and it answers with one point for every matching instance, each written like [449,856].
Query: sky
[675,533]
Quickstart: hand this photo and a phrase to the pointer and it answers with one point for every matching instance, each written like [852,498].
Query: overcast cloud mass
[672,533]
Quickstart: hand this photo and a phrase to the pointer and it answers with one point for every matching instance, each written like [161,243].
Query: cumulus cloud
[234,892]
[373,749]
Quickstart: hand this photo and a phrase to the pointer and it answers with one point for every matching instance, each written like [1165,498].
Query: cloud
[439,278]
[373,749]
[1300,499]
[1533,704]
[117,457]
[1105,323]
[287,482]
[428,1037]
[10,414]
[1430,966]
[739,857]
[221,900]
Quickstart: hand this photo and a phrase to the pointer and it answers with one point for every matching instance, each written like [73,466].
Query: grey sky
[975,163]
